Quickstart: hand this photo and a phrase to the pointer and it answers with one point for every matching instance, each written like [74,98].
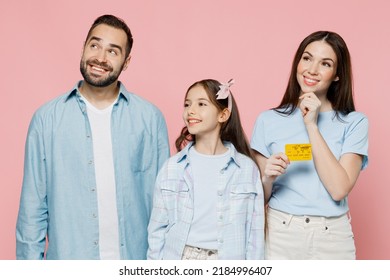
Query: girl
[306,184]
[208,200]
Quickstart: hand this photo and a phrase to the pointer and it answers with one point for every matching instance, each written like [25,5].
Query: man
[92,156]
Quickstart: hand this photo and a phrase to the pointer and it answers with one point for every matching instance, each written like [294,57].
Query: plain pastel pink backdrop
[177,42]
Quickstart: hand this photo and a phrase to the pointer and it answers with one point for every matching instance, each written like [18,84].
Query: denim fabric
[59,199]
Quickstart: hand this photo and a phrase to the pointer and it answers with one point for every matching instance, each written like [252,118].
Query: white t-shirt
[205,170]
[100,122]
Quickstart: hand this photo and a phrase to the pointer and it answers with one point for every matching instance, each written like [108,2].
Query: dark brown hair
[340,93]
[115,22]
[231,130]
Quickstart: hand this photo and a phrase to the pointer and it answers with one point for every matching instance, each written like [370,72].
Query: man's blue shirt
[59,197]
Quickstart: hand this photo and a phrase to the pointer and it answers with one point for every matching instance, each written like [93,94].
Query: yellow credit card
[298,151]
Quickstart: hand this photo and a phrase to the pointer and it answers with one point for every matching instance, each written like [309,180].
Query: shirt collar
[123,93]
[233,154]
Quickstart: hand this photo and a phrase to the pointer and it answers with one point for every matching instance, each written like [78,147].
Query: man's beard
[99,82]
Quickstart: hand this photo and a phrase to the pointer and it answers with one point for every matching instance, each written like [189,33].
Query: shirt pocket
[141,151]
[176,197]
[242,197]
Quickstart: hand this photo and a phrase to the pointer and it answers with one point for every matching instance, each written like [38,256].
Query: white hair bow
[224,92]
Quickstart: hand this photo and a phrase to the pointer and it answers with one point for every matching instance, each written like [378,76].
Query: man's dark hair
[115,22]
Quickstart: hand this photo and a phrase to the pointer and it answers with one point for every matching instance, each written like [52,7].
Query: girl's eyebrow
[198,99]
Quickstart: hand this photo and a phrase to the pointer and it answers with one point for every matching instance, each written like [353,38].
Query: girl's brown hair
[231,130]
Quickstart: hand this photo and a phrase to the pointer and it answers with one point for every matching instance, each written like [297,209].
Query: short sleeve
[258,141]
[356,138]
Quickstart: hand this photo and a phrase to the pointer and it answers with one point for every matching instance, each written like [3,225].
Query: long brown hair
[231,130]
[340,93]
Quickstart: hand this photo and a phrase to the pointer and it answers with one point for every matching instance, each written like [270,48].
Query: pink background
[179,42]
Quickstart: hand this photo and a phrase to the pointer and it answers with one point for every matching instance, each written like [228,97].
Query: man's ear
[127,62]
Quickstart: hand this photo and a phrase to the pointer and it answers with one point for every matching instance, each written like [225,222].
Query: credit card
[298,151]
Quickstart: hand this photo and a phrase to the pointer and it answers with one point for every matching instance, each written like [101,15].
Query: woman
[310,150]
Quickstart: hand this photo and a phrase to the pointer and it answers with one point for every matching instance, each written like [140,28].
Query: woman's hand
[275,166]
[310,106]
[270,168]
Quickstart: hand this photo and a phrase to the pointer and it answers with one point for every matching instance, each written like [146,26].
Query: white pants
[195,253]
[290,237]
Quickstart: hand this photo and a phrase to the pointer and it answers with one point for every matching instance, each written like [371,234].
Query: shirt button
[93,189]
[94,215]
[221,171]
[220,193]
[90,162]
[95,242]
[307,220]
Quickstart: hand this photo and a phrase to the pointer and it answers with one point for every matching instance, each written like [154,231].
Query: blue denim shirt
[59,198]
[240,209]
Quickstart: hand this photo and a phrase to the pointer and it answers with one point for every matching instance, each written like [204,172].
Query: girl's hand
[275,166]
[310,107]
